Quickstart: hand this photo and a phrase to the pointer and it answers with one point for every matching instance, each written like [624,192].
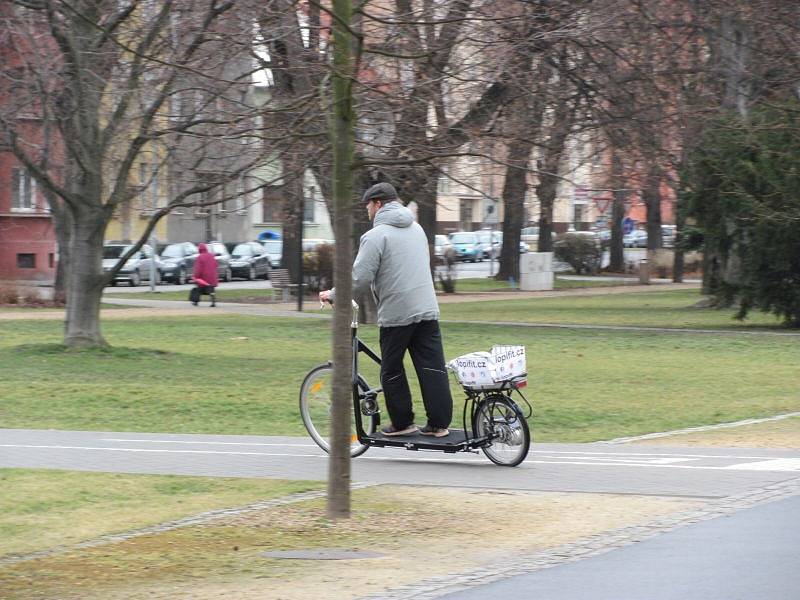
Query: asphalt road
[707,473]
[750,555]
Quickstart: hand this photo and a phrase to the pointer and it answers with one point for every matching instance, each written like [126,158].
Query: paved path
[753,554]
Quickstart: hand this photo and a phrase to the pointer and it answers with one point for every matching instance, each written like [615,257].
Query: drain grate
[322,554]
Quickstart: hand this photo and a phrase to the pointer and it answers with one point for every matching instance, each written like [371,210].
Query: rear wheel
[500,419]
[316,404]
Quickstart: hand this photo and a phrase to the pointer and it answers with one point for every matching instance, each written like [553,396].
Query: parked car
[249,260]
[467,246]
[223,258]
[136,269]
[440,245]
[497,244]
[178,261]
[529,235]
[668,235]
[274,249]
[635,239]
[491,242]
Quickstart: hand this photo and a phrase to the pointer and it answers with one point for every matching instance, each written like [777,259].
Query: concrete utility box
[536,271]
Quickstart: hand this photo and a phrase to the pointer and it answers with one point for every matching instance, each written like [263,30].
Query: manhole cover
[322,554]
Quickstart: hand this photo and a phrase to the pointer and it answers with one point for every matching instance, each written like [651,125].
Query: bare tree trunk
[343,144]
[86,283]
[63,226]
[514,187]
[292,216]
[616,251]
[651,194]
[550,164]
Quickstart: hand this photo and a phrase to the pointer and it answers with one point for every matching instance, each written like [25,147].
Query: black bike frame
[474,397]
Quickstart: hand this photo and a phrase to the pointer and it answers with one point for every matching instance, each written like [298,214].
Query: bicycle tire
[498,417]
[315,407]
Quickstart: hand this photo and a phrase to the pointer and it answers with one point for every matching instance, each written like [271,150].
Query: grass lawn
[671,309]
[241,375]
[431,533]
[42,508]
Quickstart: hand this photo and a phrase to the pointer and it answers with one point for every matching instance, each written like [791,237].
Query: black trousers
[196,291]
[423,341]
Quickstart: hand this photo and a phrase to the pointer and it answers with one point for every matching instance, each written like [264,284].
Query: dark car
[249,260]
[136,269]
[223,258]
[178,261]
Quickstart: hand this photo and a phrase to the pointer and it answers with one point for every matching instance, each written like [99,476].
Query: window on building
[309,203]
[51,260]
[273,204]
[148,182]
[26,261]
[23,192]
[444,180]
[465,213]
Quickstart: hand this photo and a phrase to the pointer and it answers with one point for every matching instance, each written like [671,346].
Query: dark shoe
[194,303]
[213,304]
[435,431]
[390,430]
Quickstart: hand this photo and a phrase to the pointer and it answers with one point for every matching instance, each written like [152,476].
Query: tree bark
[514,188]
[651,194]
[343,145]
[86,282]
[619,195]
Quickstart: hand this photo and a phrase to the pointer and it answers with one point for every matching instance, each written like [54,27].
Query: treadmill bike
[492,420]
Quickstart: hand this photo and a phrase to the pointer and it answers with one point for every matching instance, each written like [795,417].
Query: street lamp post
[300,215]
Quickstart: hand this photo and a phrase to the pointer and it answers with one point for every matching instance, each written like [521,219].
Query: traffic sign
[628,225]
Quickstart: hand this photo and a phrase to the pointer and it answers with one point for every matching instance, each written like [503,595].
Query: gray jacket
[393,260]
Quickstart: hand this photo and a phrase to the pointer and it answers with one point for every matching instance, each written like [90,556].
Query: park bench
[281,282]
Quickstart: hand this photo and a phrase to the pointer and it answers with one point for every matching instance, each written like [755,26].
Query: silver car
[137,268]
[274,249]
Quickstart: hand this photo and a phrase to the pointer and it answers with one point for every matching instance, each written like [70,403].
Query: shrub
[32,298]
[742,184]
[318,268]
[9,295]
[581,252]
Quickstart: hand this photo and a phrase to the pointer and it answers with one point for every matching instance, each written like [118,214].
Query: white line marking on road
[651,460]
[156,450]
[650,436]
[289,445]
[777,465]
[583,452]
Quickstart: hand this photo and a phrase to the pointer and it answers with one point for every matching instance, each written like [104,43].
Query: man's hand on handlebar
[325,297]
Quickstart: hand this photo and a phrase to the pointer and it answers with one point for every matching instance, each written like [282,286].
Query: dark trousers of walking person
[423,341]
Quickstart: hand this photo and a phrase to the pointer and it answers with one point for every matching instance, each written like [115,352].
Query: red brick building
[27,236]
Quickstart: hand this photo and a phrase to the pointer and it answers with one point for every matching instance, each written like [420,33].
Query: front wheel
[316,405]
[500,419]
